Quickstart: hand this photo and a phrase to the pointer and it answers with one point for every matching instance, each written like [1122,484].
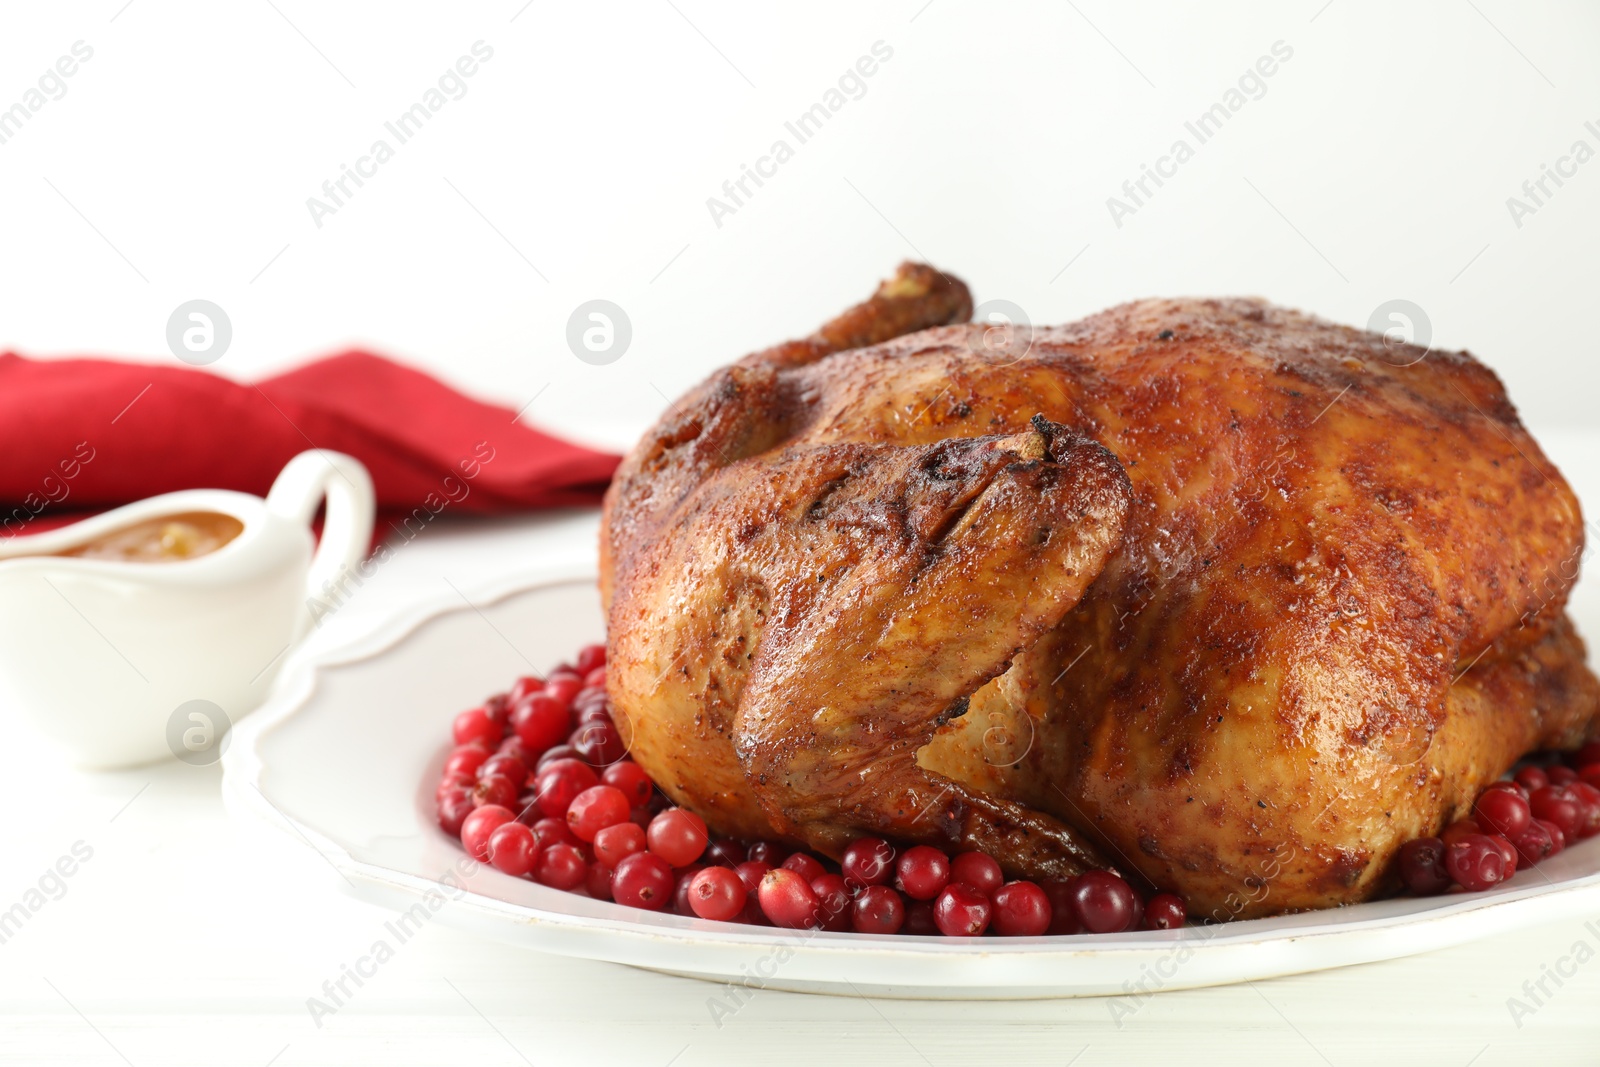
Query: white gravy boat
[121,663]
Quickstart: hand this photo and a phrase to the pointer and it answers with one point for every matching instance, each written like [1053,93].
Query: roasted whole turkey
[1217,594]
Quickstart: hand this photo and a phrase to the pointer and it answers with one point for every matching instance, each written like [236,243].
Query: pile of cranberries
[539,785]
[1515,823]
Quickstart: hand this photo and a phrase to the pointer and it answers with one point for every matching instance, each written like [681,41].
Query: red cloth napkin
[88,434]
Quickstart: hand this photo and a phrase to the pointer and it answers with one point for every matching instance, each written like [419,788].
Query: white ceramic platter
[347,752]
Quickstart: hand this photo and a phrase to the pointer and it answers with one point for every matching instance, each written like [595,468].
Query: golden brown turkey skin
[842,597]
[1335,609]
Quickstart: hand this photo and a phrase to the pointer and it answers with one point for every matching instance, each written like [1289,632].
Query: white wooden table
[188,937]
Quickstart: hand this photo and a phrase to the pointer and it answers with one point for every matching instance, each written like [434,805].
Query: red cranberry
[562,867]
[563,687]
[1534,843]
[595,679]
[806,866]
[1166,911]
[1459,829]
[750,873]
[453,809]
[465,759]
[552,831]
[867,861]
[1558,804]
[524,688]
[977,869]
[833,901]
[559,782]
[1476,862]
[505,767]
[597,882]
[717,893]
[922,872]
[1531,778]
[550,755]
[725,853]
[513,746]
[629,777]
[1560,775]
[752,915]
[961,911]
[1021,909]
[678,836]
[1508,852]
[1588,800]
[592,711]
[1586,756]
[590,657]
[454,783]
[1105,903]
[594,809]
[1558,840]
[919,919]
[769,852]
[495,790]
[541,721]
[788,900]
[680,888]
[615,842]
[642,880]
[1063,916]
[878,910]
[1509,784]
[513,849]
[475,724]
[477,827]
[1422,866]
[527,807]
[497,707]
[1591,775]
[1503,811]
[599,743]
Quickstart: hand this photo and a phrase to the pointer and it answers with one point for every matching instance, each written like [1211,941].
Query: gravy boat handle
[344,483]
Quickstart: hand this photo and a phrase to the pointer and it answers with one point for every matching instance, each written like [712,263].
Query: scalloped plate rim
[896,966]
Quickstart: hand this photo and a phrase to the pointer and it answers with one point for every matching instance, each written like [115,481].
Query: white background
[989,143]
[1377,165]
